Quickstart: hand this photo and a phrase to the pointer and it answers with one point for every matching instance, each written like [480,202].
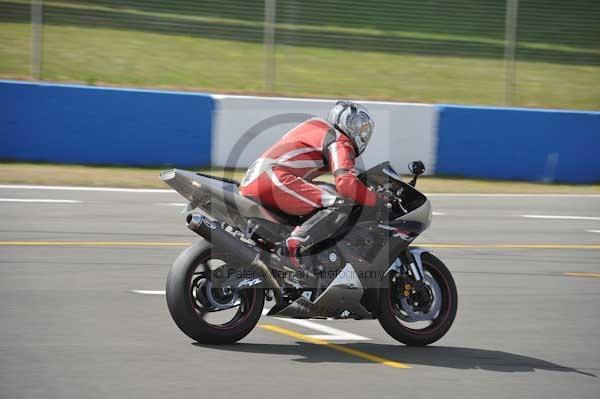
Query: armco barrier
[246,126]
[88,125]
[522,144]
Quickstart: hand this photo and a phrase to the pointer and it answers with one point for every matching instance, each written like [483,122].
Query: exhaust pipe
[220,238]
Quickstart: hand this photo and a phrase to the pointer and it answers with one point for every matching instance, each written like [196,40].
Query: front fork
[411,260]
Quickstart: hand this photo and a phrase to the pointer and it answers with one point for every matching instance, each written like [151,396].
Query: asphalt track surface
[72,327]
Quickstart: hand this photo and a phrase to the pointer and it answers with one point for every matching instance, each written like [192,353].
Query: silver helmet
[354,121]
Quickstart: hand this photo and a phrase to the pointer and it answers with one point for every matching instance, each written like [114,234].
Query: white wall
[403,132]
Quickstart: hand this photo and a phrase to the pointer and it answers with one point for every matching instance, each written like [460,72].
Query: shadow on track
[434,356]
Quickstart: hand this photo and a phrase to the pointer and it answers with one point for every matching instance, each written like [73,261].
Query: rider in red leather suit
[280,178]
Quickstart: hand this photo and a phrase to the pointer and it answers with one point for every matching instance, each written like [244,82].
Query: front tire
[391,319]
[183,304]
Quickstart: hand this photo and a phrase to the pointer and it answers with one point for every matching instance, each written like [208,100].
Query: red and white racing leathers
[280,178]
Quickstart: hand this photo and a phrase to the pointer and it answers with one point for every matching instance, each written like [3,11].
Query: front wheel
[204,312]
[419,317]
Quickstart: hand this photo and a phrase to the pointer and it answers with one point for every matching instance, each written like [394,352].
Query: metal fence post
[510,46]
[36,39]
[269,43]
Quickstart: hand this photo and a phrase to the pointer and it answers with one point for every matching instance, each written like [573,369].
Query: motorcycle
[217,288]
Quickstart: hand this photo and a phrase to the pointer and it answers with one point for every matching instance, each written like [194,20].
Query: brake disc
[212,297]
[221,298]
[414,314]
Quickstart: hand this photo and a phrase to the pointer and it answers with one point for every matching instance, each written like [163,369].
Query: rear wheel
[205,313]
[419,317]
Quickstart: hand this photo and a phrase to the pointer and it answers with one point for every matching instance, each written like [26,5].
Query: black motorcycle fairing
[384,175]
[360,244]
[372,273]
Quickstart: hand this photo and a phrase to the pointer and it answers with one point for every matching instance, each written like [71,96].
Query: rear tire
[186,314]
[388,315]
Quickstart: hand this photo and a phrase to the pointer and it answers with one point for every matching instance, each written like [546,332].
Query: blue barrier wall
[521,144]
[88,125]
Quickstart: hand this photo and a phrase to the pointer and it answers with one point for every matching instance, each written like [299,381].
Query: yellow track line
[94,243]
[185,244]
[597,275]
[340,348]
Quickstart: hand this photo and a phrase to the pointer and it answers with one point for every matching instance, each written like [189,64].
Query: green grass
[140,58]
[444,51]
[553,22]
[403,19]
[107,176]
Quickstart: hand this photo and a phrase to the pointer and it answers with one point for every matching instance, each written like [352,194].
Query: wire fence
[511,52]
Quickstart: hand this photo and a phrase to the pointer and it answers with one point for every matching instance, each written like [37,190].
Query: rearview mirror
[417,168]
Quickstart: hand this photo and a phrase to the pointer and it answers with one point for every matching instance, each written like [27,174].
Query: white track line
[560,217]
[53,201]
[148,292]
[154,190]
[438,213]
[330,333]
[172,203]
[79,188]
[593,231]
